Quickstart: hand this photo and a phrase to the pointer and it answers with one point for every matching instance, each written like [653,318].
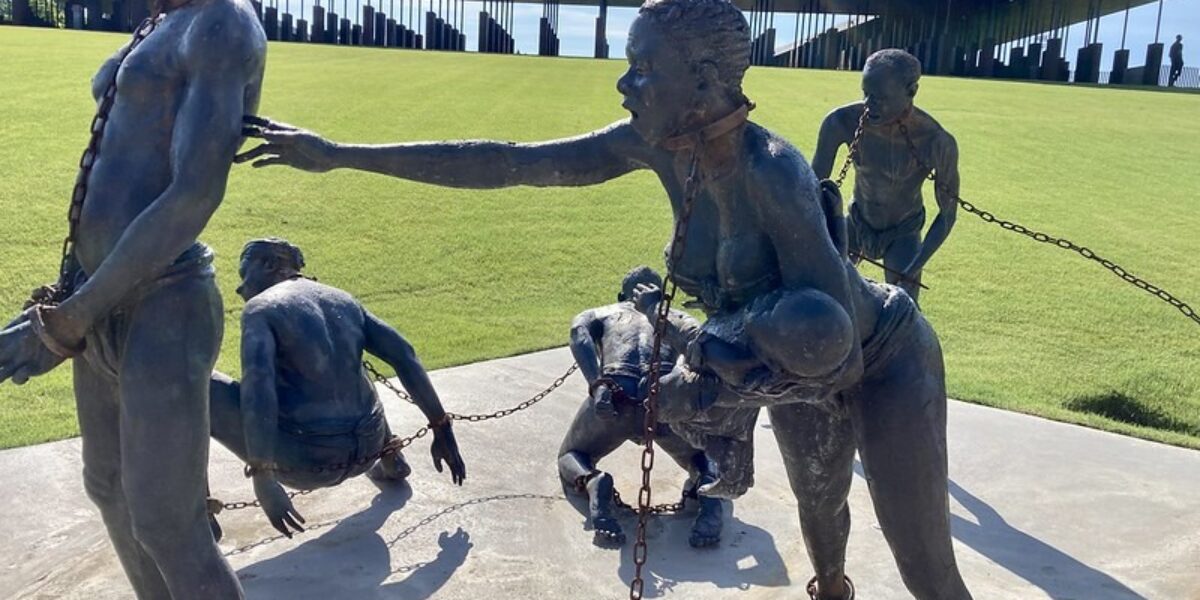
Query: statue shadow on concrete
[745,558]
[1053,571]
[353,557]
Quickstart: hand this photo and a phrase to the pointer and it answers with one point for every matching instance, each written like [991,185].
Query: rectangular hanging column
[1051,60]
[368,25]
[285,28]
[1033,61]
[1087,63]
[483,37]
[1119,67]
[944,56]
[21,13]
[601,46]
[1016,64]
[271,22]
[318,25]
[1154,60]
[987,59]
[430,31]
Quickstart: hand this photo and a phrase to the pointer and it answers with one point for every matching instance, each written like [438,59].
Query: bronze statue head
[636,276]
[686,59]
[889,85]
[266,262]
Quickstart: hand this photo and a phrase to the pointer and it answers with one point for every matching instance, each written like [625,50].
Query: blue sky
[577,27]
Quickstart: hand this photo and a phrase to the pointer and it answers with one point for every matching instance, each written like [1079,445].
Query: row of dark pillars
[371,26]
[548,42]
[438,26]
[495,25]
[1022,39]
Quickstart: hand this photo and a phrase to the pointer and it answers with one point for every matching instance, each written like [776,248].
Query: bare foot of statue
[600,511]
[706,529]
[390,468]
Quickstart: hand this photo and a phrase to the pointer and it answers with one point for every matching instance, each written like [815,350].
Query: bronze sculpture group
[840,363]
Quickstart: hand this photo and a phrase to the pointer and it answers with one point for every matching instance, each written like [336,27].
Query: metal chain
[396,444]
[500,414]
[393,446]
[657,509]
[691,189]
[852,154]
[1063,243]
[60,291]
[216,506]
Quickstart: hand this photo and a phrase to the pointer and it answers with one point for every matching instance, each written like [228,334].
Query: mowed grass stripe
[469,275]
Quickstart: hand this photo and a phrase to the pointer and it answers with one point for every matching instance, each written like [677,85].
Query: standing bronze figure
[136,305]
[898,145]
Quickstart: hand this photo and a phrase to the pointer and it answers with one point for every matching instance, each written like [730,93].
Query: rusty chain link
[691,189]
[500,414]
[216,506]
[396,443]
[656,509]
[57,292]
[852,153]
[1063,243]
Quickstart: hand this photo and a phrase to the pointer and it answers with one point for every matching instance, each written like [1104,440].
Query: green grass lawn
[474,275]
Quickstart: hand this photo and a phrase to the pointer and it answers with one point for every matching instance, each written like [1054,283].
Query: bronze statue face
[886,96]
[660,88]
[259,271]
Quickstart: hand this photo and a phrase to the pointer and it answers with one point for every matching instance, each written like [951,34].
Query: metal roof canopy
[842,7]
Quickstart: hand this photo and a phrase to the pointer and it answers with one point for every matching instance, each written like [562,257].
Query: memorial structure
[1014,39]
[753,234]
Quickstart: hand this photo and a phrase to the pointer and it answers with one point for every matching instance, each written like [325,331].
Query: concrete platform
[1041,510]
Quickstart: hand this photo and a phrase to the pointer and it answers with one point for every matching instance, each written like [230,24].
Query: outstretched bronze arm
[587,159]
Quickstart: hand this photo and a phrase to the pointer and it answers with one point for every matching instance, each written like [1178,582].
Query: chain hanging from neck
[60,291]
[691,188]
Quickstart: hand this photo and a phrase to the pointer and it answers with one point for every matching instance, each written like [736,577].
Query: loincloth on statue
[326,452]
[105,342]
[872,242]
[897,323]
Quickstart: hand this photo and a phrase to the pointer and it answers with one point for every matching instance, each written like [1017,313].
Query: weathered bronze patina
[136,305]
[760,245]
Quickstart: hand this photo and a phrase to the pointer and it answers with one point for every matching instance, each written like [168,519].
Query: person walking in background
[1176,61]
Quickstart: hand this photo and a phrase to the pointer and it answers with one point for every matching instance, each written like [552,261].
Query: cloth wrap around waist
[105,342]
[872,242]
[352,438]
